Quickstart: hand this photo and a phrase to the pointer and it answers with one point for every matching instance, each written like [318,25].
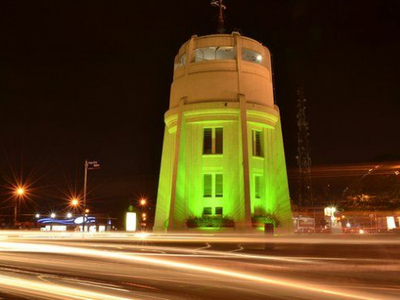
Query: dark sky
[91,79]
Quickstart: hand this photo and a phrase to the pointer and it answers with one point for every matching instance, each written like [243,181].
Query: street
[118,266]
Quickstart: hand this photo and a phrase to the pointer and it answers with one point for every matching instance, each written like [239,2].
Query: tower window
[213,140]
[218,211]
[207,186]
[218,140]
[213,185]
[214,53]
[219,185]
[207,211]
[207,141]
[257,143]
[181,62]
[257,185]
[253,56]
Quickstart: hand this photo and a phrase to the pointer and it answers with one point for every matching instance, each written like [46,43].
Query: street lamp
[74,202]
[69,215]
[143,204]
[19,192]
[53,215]
[37,216]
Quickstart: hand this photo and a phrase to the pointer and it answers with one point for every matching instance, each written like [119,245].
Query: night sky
[91,79]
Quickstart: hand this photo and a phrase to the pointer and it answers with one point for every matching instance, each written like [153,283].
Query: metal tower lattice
[305,195]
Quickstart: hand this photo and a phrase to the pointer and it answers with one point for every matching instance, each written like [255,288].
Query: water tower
[223,151]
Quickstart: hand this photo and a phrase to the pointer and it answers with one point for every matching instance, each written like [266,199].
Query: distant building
[223,151]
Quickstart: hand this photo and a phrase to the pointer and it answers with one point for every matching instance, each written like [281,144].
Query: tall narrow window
[218,211]
[257,143]
[219,185]
[213,185]
[213,140]
[207,186]
[257,184]
[207,141]
[218,140]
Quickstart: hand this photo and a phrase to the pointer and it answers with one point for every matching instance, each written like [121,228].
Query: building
[223,151]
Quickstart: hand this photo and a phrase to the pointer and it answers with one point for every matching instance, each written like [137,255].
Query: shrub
[262,216]
[209,221]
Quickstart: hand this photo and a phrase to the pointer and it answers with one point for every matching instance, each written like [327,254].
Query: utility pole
[303,154]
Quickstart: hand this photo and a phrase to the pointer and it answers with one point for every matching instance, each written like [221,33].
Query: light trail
[229,273]
[36,288]
[201,238]
[202,250]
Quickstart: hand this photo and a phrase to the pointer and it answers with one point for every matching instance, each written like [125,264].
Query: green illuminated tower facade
[223,150]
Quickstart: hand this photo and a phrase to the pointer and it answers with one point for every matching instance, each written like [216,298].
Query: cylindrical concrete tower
[223,150]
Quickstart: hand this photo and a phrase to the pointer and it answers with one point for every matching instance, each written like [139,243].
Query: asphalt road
[126,266]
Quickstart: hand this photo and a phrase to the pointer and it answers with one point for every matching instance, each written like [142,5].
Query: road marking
[202,248]
[237,250]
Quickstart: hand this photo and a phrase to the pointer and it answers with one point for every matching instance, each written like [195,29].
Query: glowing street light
[20,191]
[37,216]
[69,215]
[74,202]
[143,202]
[53,215]
[87,210]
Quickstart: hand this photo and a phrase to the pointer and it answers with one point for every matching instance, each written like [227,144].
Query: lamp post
[89,165]
[84,196]
[143,204]
[19,192]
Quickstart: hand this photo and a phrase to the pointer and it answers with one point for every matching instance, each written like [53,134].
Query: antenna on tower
[303,153]
[221,18]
